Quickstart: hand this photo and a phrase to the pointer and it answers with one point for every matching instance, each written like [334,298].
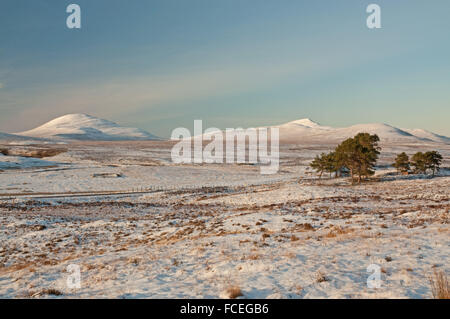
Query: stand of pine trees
[421,162]
[357,155]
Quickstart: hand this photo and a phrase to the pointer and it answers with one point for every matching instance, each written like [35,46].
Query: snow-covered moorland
[139,226]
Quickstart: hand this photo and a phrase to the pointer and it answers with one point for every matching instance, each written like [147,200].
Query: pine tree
[344,155]
[433,161]
[333,165]
[418,161]
[359,154]
[326,162]
[369,151]
[330,165]
[402,163]
[318,164]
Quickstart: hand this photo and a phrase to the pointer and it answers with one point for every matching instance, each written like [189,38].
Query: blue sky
[159,65]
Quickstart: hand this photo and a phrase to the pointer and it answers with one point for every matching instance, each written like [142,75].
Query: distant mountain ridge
[86,127]
[428,135]
[308,130]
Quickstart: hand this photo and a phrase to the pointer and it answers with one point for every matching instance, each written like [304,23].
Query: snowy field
[139,226]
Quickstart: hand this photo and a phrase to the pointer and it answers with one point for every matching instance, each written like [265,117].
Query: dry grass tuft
[439,285]
[336,231]
[265,235]
[176,262]
[134,260]
[233,292]
[51,291]
[320,277]
[298,289]
[254,257]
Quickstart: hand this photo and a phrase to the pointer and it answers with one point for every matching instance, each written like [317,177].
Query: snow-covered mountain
[301,128]
[385,132]
[428,135]
[86,127]
[306,130]
[305,123]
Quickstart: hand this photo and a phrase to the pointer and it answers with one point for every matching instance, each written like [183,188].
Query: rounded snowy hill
[306,130]
[384,131]
[86,127]
[428,135]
